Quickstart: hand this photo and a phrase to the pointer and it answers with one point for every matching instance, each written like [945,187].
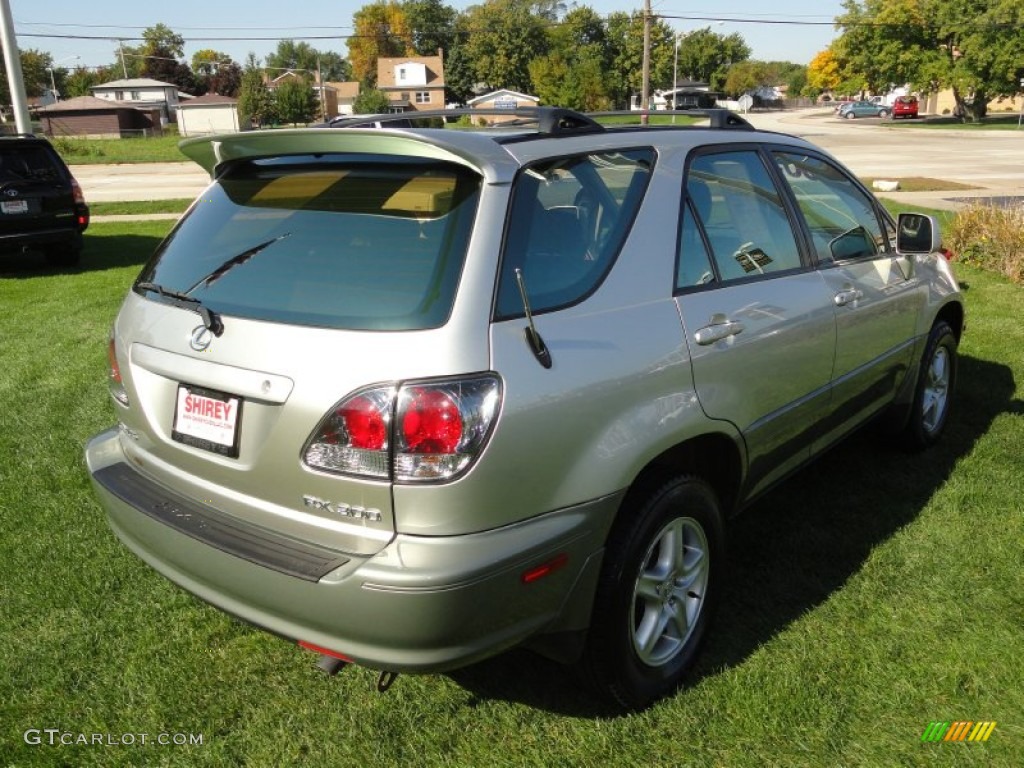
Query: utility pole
[120,48]
[645,88]
[15,79]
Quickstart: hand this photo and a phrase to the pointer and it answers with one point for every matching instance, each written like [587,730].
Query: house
[141,93]
[503,98]
[412,83]
[100,118]
[209,114]
[688,94]
[346,93]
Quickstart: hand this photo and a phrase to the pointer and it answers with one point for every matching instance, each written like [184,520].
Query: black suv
[41,204]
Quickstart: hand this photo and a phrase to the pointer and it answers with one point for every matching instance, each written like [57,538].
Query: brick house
[412,83]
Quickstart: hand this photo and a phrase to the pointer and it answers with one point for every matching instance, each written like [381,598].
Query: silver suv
[412,397]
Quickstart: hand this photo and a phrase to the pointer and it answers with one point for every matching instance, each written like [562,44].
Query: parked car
[410,398]
[904,106]
[863,109]
[41,205]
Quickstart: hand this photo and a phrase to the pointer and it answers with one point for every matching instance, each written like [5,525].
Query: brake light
[431,422]
[81,210]
[421,431]
[117,390]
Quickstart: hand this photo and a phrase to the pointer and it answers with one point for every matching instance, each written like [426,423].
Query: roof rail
[717,116]
[549,120]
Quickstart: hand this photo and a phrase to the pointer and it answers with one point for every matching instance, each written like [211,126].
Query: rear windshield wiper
[233,262]
[211,319]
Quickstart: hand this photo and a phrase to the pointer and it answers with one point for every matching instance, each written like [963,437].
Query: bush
[990,237]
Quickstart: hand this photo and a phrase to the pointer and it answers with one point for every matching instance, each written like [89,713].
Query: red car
[904,106]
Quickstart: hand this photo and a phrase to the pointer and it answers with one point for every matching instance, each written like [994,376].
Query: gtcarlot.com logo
[961,730]
[56,737]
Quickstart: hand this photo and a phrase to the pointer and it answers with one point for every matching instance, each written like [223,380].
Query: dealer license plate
[207,419]
[14,206]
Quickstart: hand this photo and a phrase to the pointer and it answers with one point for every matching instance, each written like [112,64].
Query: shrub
[991,237]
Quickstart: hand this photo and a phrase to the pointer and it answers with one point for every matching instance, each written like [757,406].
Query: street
[989,161]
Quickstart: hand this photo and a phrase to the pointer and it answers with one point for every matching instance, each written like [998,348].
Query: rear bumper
[39,238]
[421,604]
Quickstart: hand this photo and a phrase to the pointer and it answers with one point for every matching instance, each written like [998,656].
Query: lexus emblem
[201,338]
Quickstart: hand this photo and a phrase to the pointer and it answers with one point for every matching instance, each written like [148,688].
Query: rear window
[28,163]
[360,243]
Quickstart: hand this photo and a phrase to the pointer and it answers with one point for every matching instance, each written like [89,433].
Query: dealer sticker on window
[207,419]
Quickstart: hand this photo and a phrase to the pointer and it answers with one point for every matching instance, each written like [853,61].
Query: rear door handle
[718,329]
[848,296]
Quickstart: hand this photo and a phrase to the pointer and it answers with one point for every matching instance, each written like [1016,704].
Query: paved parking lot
[877,149]
[990,161]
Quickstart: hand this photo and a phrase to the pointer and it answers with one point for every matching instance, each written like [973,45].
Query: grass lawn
[152,149]
[870,595]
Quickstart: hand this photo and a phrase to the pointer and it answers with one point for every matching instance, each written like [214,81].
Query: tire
[657,591]
[850,115]
[883,113]
[933,395]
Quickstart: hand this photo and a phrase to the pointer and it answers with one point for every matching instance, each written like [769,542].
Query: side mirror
[917,233]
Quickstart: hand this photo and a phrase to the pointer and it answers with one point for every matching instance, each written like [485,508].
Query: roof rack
[718,117]
[548,120]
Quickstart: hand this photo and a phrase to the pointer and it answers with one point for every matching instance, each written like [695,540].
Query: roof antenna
[537,345]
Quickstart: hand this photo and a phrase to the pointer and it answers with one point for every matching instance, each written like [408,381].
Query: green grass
[871,594]
[1002,121]
[140,207]
[155,149]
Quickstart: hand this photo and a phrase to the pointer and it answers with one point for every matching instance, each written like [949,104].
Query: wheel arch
[714,457]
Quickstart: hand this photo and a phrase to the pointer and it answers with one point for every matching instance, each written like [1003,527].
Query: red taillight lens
[366,425]
[431,422]
[439,429]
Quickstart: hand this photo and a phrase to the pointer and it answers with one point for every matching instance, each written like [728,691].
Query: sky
[84,33]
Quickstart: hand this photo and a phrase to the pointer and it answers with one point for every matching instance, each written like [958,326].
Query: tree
[81,80]
[502,38]
[216,72]
[626,51]
[706,56]
[254,101]
[295,102]
[302,57]
[381,29]
[572,74]
[370,101]
[459,77]
[971,46]
[823,72]
[432,24]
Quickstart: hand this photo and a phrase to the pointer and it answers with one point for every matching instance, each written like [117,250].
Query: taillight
[419,432]
[117,390]
[82,211]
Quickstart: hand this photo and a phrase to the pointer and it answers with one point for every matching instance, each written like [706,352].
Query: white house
[141,93]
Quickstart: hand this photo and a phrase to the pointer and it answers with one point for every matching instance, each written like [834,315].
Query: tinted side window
[742,214]
[694,262]
[839,215]
[568,219]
